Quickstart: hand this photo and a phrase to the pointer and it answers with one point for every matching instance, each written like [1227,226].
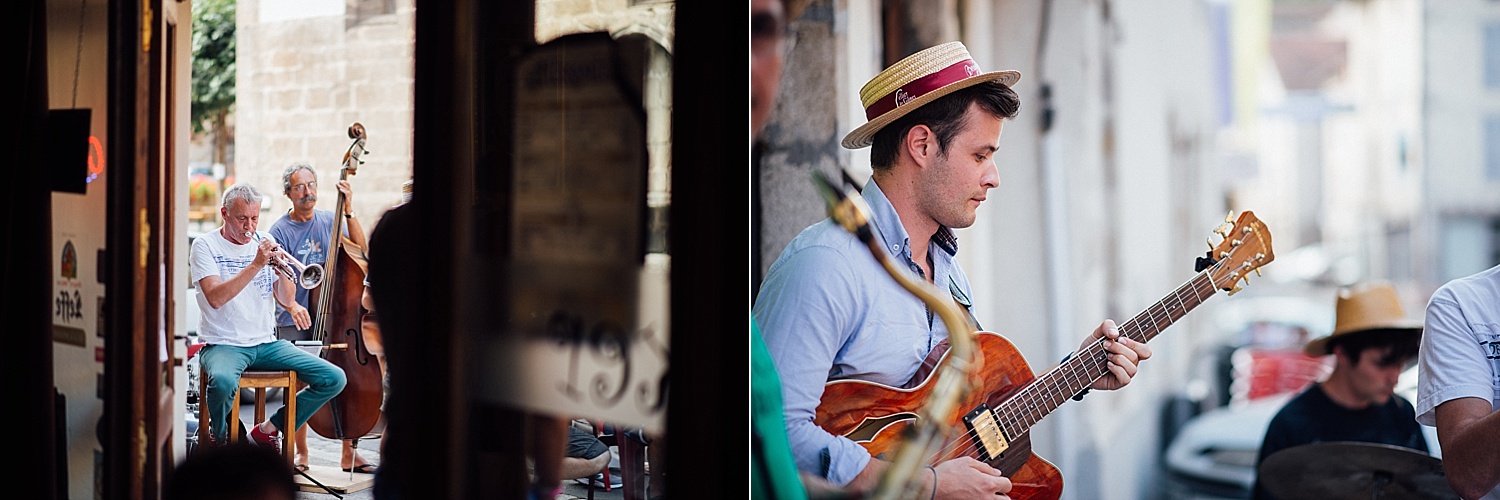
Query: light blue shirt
[828,310]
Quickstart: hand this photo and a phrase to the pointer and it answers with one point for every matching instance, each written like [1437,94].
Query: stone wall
[308,70]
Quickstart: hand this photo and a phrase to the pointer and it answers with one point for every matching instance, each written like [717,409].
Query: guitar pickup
[985,430]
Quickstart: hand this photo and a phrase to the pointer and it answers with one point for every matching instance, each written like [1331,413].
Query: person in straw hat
[1371,344]
[1458,381]
[829,311]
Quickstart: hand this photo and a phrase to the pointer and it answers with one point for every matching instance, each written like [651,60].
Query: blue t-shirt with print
[308,242]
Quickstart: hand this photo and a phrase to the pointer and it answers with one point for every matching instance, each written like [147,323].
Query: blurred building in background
[1460,216]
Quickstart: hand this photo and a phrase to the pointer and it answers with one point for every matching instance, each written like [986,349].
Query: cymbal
[1344,469]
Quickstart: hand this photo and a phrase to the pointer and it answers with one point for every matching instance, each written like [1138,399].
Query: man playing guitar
[829,311]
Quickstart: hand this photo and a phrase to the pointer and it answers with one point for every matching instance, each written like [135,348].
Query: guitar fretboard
[1050,390]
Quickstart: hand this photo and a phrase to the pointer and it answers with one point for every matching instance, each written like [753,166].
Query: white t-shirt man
[1460,353]
[247,319]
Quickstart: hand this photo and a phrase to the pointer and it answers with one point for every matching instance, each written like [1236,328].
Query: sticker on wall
[67,304]
[69,267]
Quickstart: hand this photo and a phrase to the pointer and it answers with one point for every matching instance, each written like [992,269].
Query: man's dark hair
[945,116]
[1403,345]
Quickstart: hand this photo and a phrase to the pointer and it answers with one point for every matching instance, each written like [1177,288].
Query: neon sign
[96,159]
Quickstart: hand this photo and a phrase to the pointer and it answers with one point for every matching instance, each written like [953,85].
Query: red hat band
[921,86]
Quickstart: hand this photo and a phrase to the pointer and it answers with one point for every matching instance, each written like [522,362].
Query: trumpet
[308,277]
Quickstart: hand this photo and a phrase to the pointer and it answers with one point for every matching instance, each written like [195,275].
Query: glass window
[1492,55]
[1492,147]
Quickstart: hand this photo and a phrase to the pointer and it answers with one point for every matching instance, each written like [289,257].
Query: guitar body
[992,421]
[875,415]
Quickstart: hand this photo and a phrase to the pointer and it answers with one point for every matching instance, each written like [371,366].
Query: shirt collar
[888,224]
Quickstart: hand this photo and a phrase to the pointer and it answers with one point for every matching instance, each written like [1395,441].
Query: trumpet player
[237,287]
[304,233]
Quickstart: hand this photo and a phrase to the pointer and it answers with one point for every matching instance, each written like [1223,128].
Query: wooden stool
[260,381]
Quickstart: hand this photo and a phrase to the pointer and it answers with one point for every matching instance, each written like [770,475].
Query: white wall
[1101,217]
[1456,104]
[303,79]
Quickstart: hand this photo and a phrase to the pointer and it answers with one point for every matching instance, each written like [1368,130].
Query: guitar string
[1028,395]
[1095,349]
[967,445]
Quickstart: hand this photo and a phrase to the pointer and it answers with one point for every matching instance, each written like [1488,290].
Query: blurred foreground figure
[235,472]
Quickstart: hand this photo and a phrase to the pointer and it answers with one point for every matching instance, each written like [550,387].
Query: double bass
[337,325]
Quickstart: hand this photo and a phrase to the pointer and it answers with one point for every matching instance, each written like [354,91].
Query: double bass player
[305,232]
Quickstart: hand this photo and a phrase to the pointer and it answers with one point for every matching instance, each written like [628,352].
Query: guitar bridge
[985,430]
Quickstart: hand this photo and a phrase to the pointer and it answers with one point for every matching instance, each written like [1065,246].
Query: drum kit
[1351,470]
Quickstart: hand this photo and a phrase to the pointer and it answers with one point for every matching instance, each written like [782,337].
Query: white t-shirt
[249,318]
[1460,354]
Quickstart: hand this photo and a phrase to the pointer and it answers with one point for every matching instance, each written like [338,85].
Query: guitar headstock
[356,149]
[1245,248]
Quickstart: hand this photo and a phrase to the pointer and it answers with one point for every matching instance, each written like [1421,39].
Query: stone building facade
[307,69]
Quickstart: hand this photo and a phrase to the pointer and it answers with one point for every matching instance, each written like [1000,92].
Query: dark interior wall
[26,214]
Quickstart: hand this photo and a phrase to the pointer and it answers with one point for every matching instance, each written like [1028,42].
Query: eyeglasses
[306,186]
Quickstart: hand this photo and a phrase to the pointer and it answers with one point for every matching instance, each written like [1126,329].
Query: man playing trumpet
[237,283]
[304,232]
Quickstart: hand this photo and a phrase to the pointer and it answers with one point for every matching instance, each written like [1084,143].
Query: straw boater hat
[918,79]
[1369,308]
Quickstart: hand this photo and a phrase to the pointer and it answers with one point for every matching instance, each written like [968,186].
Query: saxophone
[954,379]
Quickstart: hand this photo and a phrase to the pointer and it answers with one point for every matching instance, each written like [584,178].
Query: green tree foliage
[213,64]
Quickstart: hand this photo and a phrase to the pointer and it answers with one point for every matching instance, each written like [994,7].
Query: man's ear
[921,144]
[1339,352]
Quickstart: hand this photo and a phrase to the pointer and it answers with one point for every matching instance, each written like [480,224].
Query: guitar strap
[936,354]
[963,300]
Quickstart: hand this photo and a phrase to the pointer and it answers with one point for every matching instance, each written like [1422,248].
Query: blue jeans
[223,364]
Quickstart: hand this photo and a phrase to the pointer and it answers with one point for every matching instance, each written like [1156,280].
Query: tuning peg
[1209,242]
[1229,218]
[1257,272]
[1235,290]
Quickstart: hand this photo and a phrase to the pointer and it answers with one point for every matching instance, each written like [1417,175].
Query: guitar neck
[1050,390]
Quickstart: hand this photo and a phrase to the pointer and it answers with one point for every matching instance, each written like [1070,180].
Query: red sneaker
[267,440]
